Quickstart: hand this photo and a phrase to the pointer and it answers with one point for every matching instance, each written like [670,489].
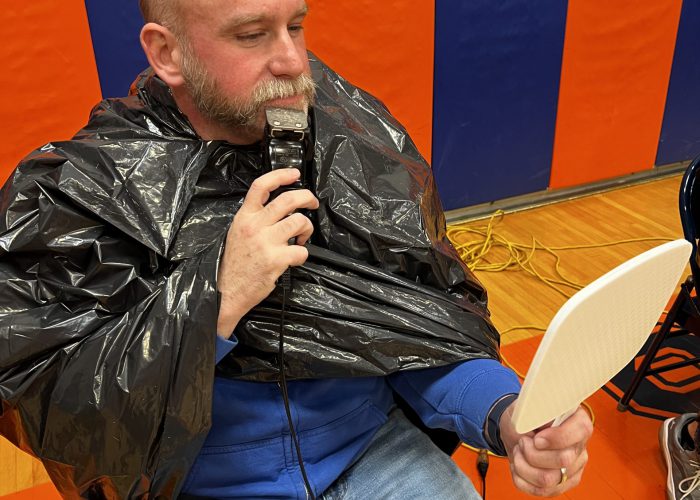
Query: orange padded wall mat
[615,73]
[385,47]
[47,64]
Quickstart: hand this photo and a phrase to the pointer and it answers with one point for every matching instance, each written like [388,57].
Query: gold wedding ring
[564,477]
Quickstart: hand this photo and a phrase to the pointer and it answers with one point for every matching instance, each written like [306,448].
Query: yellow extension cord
[477,245]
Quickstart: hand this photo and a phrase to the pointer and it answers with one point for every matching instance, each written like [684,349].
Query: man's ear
[163,52]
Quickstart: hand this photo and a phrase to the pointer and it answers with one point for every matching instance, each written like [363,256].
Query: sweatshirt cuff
[489,382]
[492,427]
[224,346]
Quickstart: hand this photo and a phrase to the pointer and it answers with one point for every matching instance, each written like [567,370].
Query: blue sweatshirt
[249,453]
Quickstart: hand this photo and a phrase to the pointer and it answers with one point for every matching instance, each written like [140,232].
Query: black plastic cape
[109,250]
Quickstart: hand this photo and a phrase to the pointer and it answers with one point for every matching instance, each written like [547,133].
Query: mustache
[279,88]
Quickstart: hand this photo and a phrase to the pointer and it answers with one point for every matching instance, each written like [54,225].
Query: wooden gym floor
[648,210]
[624,462]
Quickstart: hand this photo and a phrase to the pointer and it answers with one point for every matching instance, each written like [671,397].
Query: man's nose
[289,57]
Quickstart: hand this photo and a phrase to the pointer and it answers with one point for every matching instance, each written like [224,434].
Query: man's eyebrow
[239,21]
[303,11]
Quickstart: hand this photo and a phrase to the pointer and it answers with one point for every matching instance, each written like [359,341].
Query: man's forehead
[225,11]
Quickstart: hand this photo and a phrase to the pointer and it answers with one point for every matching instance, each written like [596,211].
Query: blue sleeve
[224,346]
[457,397]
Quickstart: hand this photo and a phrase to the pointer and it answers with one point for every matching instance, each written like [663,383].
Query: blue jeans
[401,462]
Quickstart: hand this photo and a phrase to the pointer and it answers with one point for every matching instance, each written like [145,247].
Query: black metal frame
[684,316]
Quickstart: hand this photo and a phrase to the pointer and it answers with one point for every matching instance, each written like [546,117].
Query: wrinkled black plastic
[109,250]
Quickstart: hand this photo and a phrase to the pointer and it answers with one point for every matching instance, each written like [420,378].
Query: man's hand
[257,249]
[536,458]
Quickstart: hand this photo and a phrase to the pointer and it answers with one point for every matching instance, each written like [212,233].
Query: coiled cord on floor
[477,245]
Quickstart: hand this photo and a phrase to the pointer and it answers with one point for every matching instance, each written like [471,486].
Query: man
[218,64]
[679,439]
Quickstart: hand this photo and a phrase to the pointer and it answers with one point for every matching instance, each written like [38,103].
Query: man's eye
[249,37]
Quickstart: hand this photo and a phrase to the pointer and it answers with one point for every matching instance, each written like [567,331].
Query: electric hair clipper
[287,144]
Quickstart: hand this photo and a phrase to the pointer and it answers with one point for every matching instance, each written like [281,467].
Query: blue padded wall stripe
[115,27]
[497,73]
[680,131]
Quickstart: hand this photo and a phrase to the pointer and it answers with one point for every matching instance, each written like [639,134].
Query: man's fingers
[537,478]
[554,491]
[260,189]
[536,460]
[297,255]
[306,232]
[545,481]
[574,432]
[294,226]
[548,459]
[288,202]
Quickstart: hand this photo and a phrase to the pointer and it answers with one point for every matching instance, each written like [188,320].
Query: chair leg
[641,373]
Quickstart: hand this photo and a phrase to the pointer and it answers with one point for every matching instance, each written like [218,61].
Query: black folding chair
[684,316]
